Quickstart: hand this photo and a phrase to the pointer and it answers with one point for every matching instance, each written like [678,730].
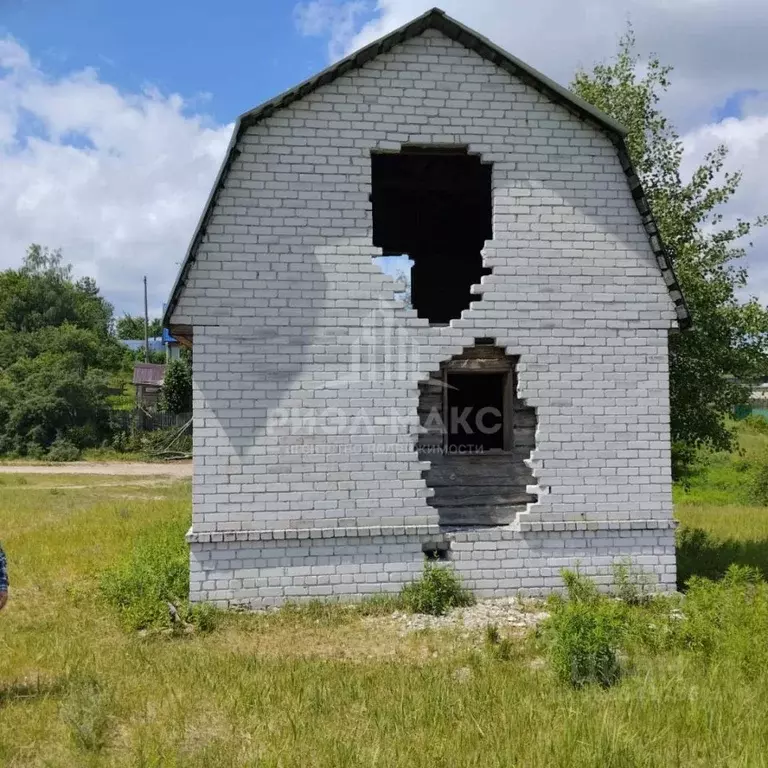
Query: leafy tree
[177,386]
[56,356]
[42,293]
[714,364]
[48,397]
[132,327]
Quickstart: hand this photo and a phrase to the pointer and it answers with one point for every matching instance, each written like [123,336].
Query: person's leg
[3,579]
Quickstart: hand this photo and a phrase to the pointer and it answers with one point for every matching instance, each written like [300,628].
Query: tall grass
[327,686]
[722,510]
[148,587]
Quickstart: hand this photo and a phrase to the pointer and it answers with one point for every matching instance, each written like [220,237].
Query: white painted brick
[288,311]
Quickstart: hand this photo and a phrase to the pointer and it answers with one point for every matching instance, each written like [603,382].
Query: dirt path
[178,469]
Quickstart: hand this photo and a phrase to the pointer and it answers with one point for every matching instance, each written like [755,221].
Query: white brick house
[514,422]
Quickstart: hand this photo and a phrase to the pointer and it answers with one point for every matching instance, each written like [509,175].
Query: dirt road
[179,469]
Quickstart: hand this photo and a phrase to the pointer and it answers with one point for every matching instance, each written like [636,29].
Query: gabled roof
[437,19]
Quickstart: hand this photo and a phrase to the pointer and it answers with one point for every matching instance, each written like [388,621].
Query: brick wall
[306,367]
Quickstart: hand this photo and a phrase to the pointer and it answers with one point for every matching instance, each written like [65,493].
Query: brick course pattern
[307,367]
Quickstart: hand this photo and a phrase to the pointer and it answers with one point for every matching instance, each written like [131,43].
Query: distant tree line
[132,327]
[62,368]
[60,355]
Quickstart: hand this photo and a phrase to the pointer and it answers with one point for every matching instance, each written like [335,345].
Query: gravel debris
[506,612]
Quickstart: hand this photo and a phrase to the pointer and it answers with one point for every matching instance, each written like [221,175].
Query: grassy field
[333,686]
[90,454]
[718,504]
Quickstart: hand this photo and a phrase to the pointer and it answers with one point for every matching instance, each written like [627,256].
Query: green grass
[721,521]
[90,454]
[110,454]
[320,685]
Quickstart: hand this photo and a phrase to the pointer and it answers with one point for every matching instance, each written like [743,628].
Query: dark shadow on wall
[701,554]
[268,358]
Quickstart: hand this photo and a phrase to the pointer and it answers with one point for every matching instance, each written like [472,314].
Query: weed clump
[437,591]
[500,648]
[87,712]
[716,623]
[722,619]
[583,634]
[758,481]
[630,586]
[150,588]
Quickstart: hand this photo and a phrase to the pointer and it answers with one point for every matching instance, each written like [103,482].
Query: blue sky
[114,116]
[235,57]
[226,57]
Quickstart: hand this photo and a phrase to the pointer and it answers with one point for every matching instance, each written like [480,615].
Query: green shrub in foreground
[584,633]
[155,574]
[630,585]
[721,623]
[437,591]
[87,712]
[727,620]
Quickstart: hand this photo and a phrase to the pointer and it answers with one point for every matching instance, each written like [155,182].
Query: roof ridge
[436,18]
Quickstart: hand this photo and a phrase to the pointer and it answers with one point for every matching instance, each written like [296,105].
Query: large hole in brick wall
[477,435]
[433,206]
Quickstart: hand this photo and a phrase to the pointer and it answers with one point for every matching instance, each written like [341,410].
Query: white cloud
[747,142]
[335,19]
[717,48]
[117,180]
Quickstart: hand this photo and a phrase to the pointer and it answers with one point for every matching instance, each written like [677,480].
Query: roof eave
[229,157]
[663,259]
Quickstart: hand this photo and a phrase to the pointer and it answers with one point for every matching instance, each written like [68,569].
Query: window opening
[476,412]
[435,206]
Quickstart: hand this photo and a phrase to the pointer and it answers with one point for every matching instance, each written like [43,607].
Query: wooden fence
[140,420]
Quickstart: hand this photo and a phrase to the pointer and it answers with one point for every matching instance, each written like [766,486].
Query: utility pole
[146,323]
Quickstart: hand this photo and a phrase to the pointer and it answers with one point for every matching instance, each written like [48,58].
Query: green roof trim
[437,19]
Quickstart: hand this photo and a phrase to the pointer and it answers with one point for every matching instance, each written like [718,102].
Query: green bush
[437,591]
[756,423]
[718,623]
[177,386]
[758,482]
[723,619]
[583,634]
[153,442]
[121,441]
[63,450]
[501,648]
[631,586]
[153,578]
[203,616]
